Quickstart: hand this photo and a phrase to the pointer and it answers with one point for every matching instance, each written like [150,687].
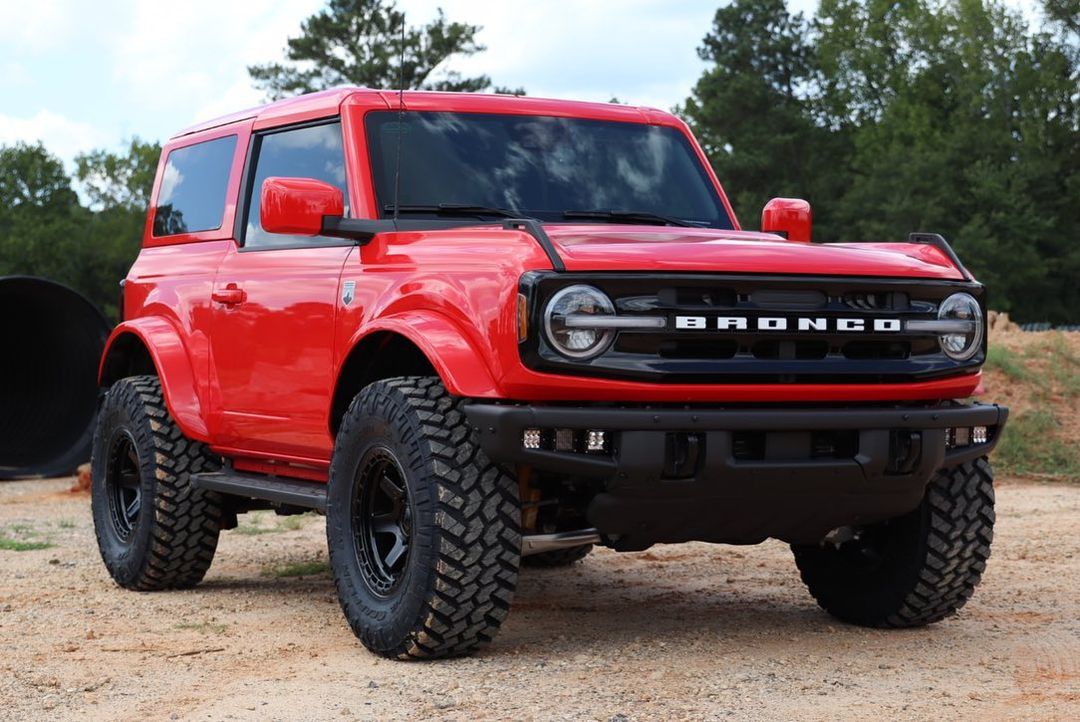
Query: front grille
[757,353]
[863,350]
[691,349]
[780,349]
[876,301]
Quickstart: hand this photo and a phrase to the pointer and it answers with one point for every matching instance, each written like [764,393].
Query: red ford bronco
[482,331]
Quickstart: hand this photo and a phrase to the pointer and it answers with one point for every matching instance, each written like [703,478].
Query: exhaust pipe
[52,343]
[540,543]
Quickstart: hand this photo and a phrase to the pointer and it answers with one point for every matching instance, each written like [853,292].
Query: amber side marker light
[522,317]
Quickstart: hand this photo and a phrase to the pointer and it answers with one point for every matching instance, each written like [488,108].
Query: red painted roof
[328,102]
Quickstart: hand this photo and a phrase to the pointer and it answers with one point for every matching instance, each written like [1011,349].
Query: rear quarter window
[192,194]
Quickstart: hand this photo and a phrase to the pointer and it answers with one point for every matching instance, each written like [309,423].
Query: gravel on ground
[693,631]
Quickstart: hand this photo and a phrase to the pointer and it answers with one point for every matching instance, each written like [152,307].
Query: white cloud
[35,26]
[238,96]
[62,136]
[198,68]
[643,52]
[13,74]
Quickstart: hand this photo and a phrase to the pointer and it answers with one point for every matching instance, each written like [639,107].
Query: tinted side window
[311,152]
[192,195]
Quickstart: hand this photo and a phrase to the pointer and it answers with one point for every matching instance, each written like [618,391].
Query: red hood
[638,248]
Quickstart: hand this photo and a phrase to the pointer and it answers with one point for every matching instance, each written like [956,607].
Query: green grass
[298,569]
[16,545]
[22,537]
[1030,445]
[203,627]
[295,522]
[257,525]
[253,530]
[66,524]
[254,525]
[1008,363]
[1047,373]
[1064,366]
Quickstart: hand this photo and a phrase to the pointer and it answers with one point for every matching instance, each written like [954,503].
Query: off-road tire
[933,557]
[558,557]
[171,541]
[458,578]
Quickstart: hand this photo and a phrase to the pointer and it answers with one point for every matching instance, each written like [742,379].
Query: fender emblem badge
[348,292]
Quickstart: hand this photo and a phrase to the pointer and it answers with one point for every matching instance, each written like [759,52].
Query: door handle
[231,295]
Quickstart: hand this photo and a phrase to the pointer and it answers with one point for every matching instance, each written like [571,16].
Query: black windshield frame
[680,177]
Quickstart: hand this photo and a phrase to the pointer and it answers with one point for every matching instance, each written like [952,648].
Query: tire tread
[477,558]
[957,532]
[186,520]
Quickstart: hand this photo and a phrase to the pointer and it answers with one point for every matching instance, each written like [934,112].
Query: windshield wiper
[455,209]
[629,217]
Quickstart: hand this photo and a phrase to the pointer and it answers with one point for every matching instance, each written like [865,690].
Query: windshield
[544,167]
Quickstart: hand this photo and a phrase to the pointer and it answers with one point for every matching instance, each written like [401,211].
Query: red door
[272,349]
[274,299]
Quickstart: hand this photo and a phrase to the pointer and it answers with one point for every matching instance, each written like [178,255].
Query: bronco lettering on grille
[780,323]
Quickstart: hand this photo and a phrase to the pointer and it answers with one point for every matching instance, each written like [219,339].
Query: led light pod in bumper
[576,441]
[532,438]
[962,436]
[595,441]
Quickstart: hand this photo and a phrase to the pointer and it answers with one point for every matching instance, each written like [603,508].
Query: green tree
[963,122]
[40,215]
[33,180]
[46,231]
[119,180]
[118,186]
[752,109]
[359,42]
[936,115]
[1064,13]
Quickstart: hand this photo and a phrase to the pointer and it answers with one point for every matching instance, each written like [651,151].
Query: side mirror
[788,217]
[297,206]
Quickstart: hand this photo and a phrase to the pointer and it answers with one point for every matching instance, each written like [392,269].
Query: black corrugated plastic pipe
[51,339]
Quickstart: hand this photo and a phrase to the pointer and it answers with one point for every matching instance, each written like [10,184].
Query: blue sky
[81,75]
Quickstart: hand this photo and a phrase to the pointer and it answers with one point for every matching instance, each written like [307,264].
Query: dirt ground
[1046,377]
[678,632]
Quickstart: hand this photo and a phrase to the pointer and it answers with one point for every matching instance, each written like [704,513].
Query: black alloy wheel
[382,520]
[123,484]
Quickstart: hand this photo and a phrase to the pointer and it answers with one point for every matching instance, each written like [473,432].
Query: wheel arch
[154,346]
[410,344]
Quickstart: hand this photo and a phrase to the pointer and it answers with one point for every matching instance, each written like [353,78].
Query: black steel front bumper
[715,491]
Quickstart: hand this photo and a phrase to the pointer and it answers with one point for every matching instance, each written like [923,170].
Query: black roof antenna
[401,119]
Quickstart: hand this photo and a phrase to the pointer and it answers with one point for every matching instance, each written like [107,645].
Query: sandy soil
[680,632]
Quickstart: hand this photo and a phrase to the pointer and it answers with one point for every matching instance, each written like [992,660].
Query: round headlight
[575,338]
[964,343]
